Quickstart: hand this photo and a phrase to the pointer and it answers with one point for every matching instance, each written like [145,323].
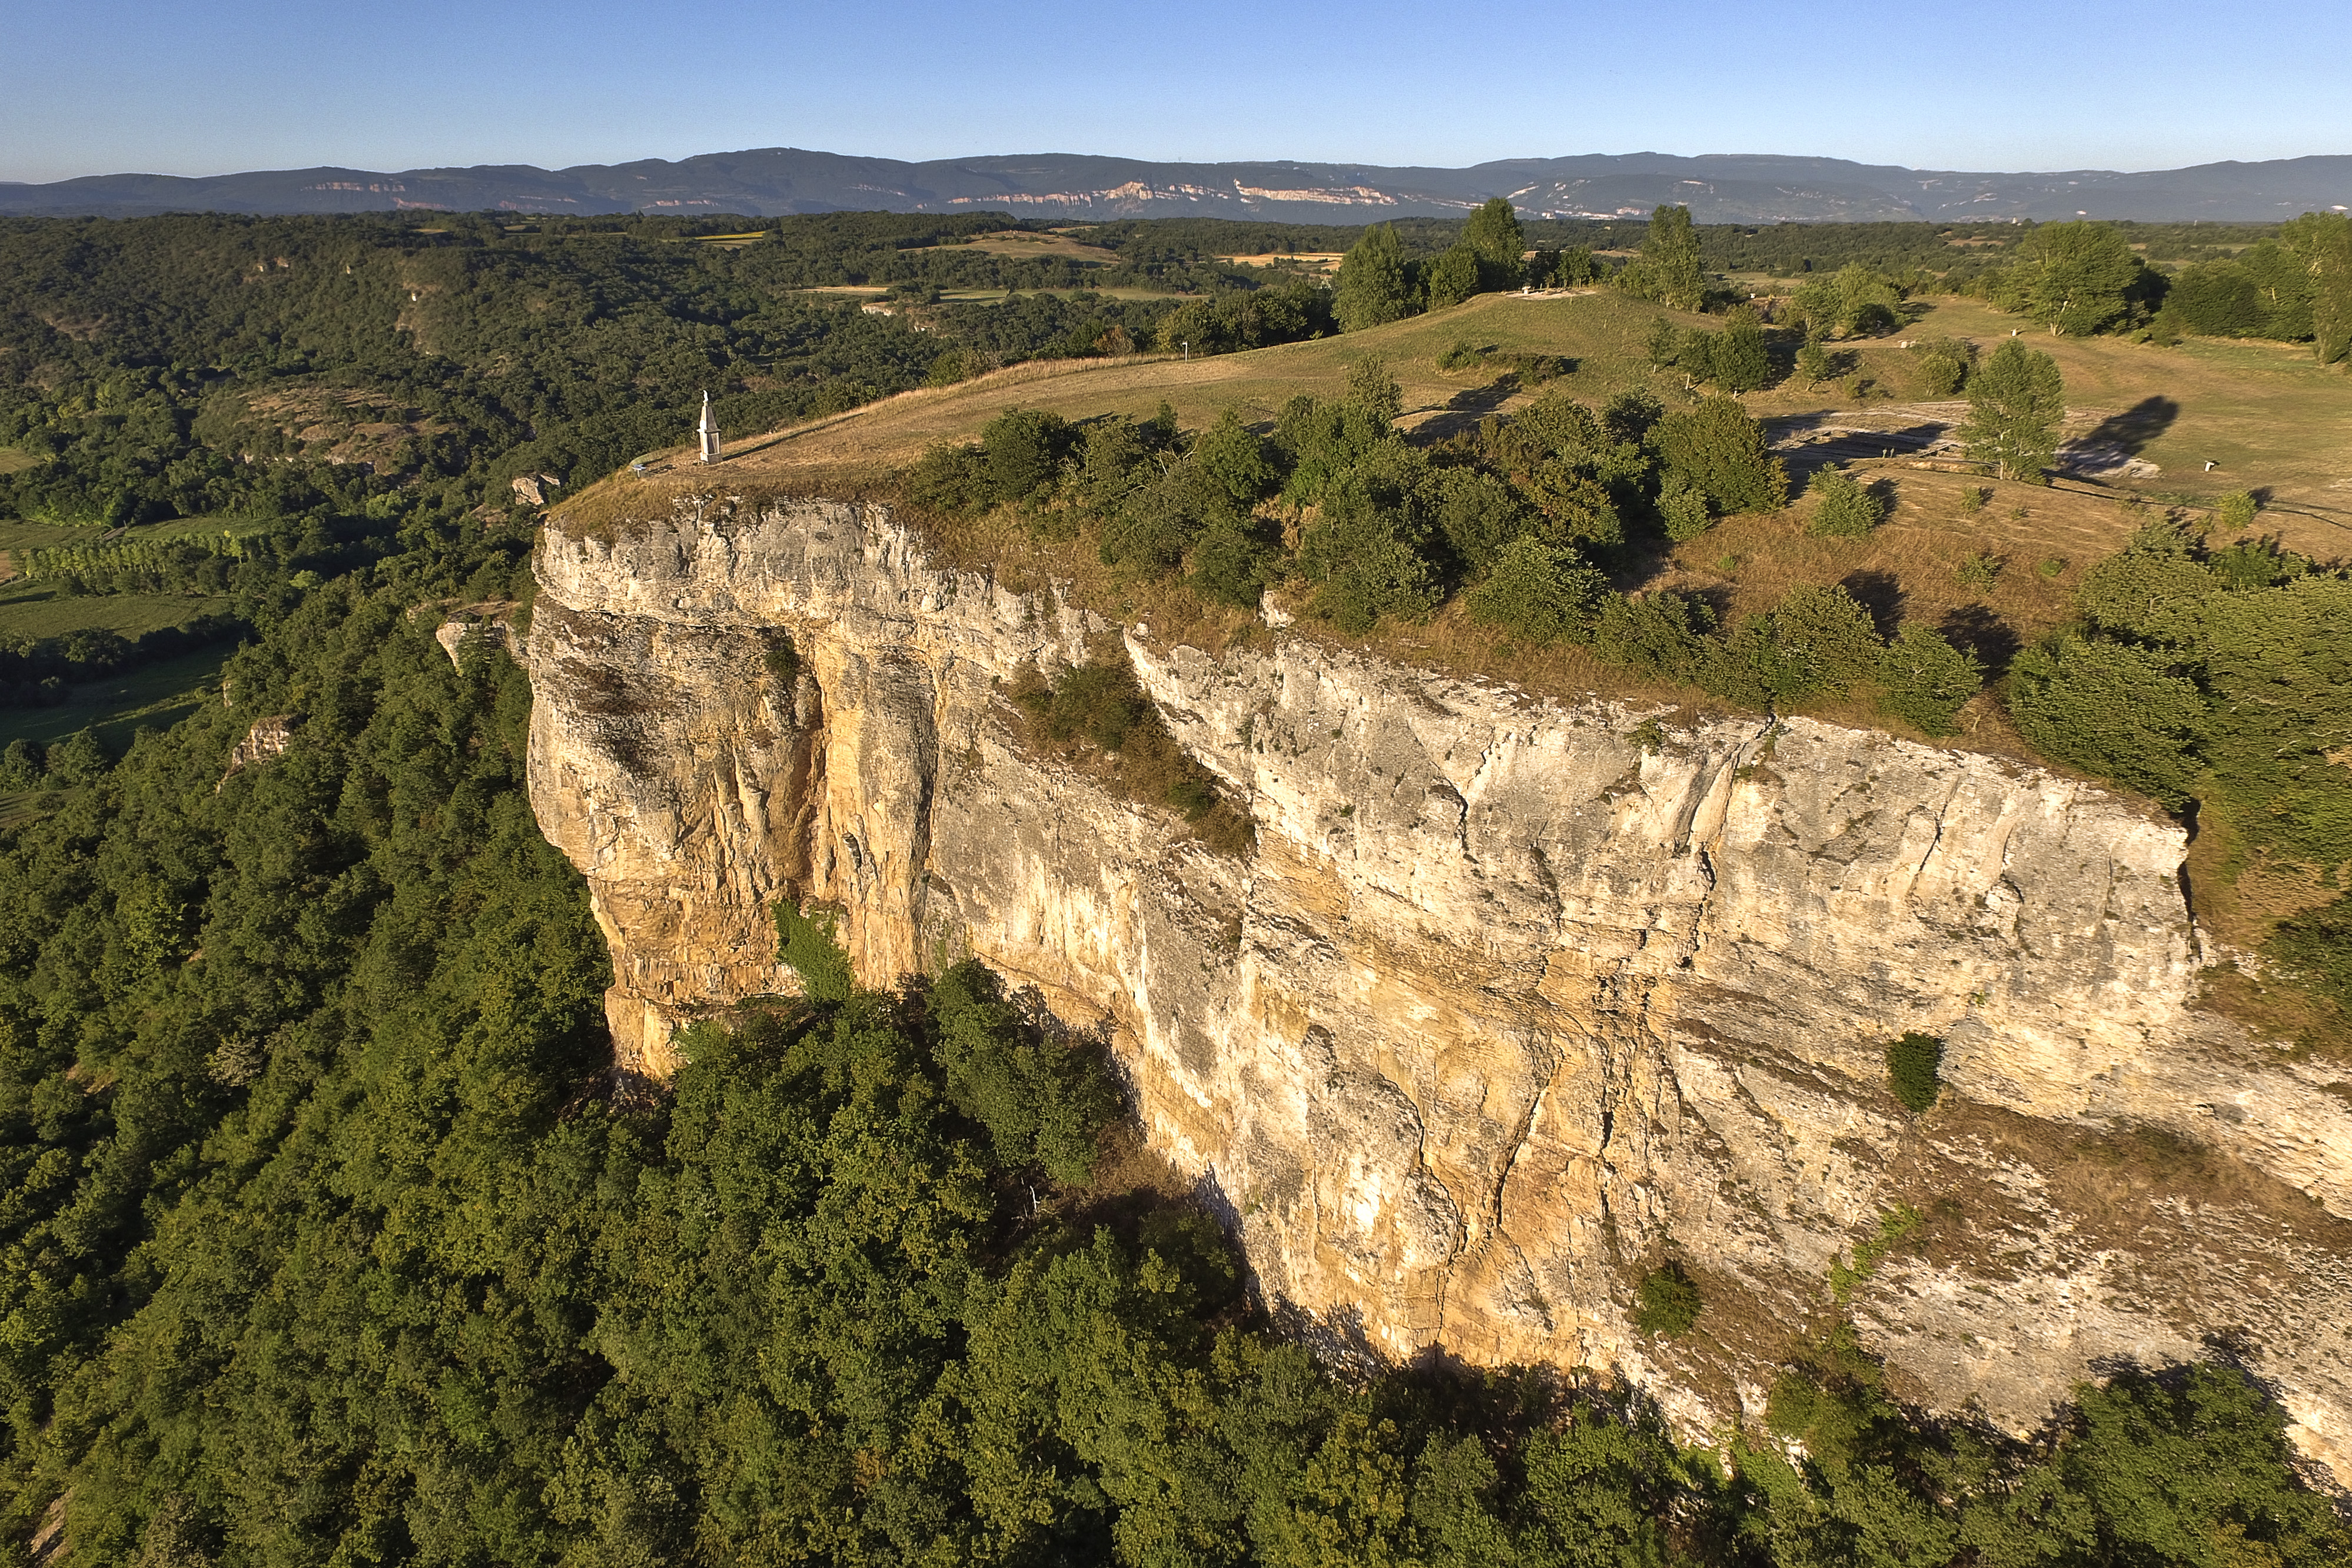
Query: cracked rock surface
[1513,1000]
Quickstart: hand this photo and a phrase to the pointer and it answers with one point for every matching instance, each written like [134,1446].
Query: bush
[805,945]
[1741,363]
[953,480]
[1912,1064]
[1683,508]
[1658,633]
[1944,365]
[1231,454]
[1478,513]
[1829,636]
[1023,449]
[2235,512]
[1670,1301]
[1720,451]
[2113,710]
[1540,592]
[1927,680]
[1842,509]
[1232,563]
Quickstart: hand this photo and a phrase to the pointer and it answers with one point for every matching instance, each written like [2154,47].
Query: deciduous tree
[1376,284]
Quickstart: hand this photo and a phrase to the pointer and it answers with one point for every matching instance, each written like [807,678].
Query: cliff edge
[1513,1001]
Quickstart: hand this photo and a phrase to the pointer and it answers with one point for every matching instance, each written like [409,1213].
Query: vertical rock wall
[1513,1000]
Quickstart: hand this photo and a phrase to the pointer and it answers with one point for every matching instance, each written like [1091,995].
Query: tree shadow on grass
[1977,629]
[1882,594]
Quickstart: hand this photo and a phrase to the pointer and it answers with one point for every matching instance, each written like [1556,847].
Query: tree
[1232,455]
[1374,391]
[1741,363]
[1719,451]
[1842,508]
[1853,301]
[1663,344]
[2083,277]
[1455,277]
[1670,254]
[1540,592]
[1813,360]
[1376,284]
[2323,242]
[1494,235]
[1696,357]
[1926,679]
[2015,404]
[1944,365]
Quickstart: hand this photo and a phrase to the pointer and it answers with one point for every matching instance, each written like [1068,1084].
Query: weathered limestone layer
[1513,999]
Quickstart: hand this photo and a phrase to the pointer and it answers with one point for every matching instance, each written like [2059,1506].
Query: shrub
[1670,1301]
[2113,710]
[951,479]
[1232,563]
[1926,680]
[1683,508]
[1023,449]
[1842,508]
[1829,636]
[1232,454]
[1741,363]
[1659,633]
[1912,1064]
[1718,449]
[806,946]
[1478,513]
[2235,512]
[1540,592]
[1944,365]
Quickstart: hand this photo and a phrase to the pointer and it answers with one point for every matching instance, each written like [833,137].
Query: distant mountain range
[1718,188]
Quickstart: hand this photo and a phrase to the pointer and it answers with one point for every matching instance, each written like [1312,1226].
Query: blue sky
[106,86]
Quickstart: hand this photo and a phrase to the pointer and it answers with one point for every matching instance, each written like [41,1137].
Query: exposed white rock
[1513,998]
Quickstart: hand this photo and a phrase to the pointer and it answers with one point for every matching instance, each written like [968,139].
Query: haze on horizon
[134,85]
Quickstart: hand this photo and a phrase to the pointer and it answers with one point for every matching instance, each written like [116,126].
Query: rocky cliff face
[1512,1001]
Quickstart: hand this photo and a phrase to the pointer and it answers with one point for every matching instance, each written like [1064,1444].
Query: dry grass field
[1998,576]
[2269,417]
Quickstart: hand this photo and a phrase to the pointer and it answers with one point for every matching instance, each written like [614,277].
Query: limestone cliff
[1513,998]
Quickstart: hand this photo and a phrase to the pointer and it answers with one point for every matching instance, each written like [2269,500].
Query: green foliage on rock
[1671,1302]
[806,946]
[1914,1070]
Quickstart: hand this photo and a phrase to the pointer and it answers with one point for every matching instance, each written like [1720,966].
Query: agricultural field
[42,609]
[155,696]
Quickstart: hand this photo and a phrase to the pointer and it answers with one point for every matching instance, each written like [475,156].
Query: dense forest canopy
[329,1236]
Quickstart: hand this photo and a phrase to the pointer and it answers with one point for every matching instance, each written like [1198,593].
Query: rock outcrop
[1513,1000]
